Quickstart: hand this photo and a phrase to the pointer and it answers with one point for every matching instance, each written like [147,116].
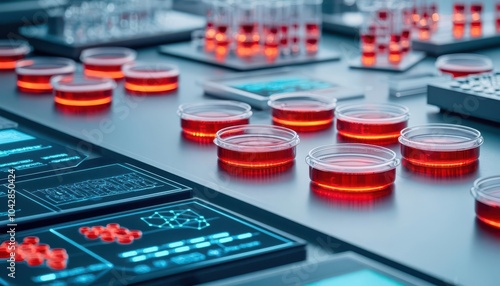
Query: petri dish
[449,148]
[371,123]
[264,148]
[33,75]
[106,62]
[459,65]
[12,51]
[200,121]
[352,167]
[150,78]
[302,112]
[82,92]
[486,192]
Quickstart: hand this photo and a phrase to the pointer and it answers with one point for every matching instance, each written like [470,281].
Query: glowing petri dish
[352,167]
[200,121]
[447,147]
[302,112]
[459,65]
[12,51]
[106,62]
[371,123]
[82,92]
[33,75]
[260,147]
[150,78]
[486,192]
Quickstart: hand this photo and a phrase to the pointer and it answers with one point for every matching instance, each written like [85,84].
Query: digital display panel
[282,85]
[358,278]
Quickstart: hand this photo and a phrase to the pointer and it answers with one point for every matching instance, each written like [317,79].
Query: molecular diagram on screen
[176,219]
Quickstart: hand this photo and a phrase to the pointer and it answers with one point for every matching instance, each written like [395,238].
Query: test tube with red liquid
[486,192]
[106,62]
[476,22]
[33,75]
[209,26]
[415,12]
[256,149]
[424,22]
[352,168]
[200,121]
[395,50]
[382,29]
[150,78]
[497,16]
[312,24]
[295,27]
[247,36]
[223,27]
[81,93]
[440,149]
[459,18]
[434,13]
[271,29]
[368,43]
[12,51]
[285,27]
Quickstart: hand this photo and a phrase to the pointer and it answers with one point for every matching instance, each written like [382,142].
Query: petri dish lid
[352,158]
[150,70]
[374,113]
[464,63]
[108,56]
[487,190]
[14,48]
[80,83]
[215,110]
[441,137]
[301,102]
[256,138]
[45,66]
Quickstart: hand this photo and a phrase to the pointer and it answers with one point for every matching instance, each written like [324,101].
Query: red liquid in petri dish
[459,65]
[201,121]
[313,33]
[34,83]
[456,73]
[489,214]
[33,75]
[205,130]
[353,182]
[114,72]
[395,51]
[383,132]
[439,159]
[9,62]
[352,167]
[257,158]
[368,49]
[150,78]
[106,62]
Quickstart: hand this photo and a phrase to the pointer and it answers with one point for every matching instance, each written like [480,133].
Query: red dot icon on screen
[112,232]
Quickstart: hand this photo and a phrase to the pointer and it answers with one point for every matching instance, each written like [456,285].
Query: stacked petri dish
[371,123]
[440,149]
[302,112]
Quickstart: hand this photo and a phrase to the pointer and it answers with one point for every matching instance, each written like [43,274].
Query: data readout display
[84,188]
[282,85]
[28,154]
[156,242]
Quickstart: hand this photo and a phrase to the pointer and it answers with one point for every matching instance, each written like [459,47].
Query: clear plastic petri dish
[257,146]
[442,146]
[302,112]
[352,167]
[486,192]
[150,78]
[82,91]
[371,123]
[459,65]
[200,121]
[106,62]
[34,74]
[12,51]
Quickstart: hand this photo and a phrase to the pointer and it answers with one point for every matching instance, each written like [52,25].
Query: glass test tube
[296,23]
[476,23]
[285,23]
[368,41]
[209,26]
[395,54]
[223,25]
[497,16]
[271,29]
[424,22]
[407,26]
[312,21]
[247,37]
